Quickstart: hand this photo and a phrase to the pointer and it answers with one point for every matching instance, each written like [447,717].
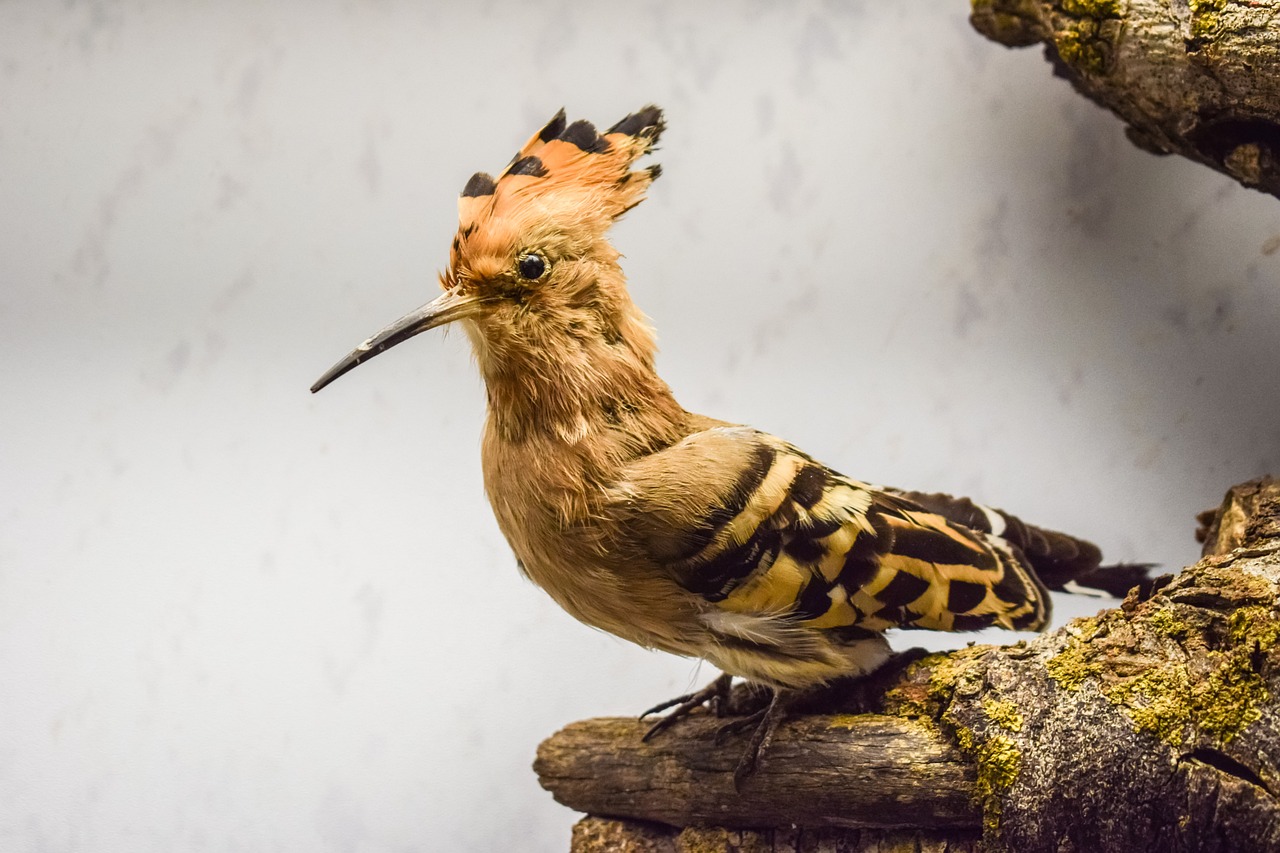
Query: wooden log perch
[856,770]
[1153,726]
[1200,78]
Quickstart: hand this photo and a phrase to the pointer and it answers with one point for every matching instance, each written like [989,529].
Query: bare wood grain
[820,771]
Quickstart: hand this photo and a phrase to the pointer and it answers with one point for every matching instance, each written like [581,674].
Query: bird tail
[1058,559]
[1118,578]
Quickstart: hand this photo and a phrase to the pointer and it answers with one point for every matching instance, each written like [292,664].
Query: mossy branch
[1155,725]
[1200,78]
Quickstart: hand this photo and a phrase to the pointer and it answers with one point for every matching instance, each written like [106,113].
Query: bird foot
[716,694]
[762,721]
[742,724]
[766,722]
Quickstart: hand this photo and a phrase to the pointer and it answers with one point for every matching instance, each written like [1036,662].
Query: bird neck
[586,385]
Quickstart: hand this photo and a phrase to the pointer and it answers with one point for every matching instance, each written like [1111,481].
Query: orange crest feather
[569,169]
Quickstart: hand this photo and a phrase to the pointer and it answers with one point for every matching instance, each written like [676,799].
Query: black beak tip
[448,307]
[337,370]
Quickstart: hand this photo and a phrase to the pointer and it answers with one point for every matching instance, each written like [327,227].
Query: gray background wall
[237,617]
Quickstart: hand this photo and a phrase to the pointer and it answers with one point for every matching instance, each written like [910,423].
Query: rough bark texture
[1154,726]
[1200,78]
[601,835]
[864,770]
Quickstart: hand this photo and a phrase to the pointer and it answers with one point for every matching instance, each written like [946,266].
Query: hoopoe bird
[671,529]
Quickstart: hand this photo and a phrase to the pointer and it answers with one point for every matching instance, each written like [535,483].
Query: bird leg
[766,722]
[717,693]
[763,721]
[742,724]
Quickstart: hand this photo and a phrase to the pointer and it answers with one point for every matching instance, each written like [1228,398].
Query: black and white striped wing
[776,534]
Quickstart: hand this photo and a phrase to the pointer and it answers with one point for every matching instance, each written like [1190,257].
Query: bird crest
[568,174]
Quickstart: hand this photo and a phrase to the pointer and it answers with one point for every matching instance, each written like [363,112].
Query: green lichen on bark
[1169,703]
[1075,663]
[928,685]
[1166,624]
[1211,687]
[1011,22]
[1206,17]
[941,687]
[1156,701]
[1093,8]
[1083,32]
[1083,46]
[1255,624]
[998,761]
[1228,700]
[1003,714]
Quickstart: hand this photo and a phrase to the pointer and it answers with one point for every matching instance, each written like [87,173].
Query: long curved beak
[449,306]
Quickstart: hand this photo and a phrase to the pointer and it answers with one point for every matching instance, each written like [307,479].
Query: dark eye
[532,267]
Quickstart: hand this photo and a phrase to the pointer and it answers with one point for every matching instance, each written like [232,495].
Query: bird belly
[621,599]
[784,653]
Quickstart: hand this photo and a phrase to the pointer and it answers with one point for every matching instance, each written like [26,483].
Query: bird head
[531,270]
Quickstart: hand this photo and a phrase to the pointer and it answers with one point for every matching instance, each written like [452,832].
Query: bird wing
[756,527]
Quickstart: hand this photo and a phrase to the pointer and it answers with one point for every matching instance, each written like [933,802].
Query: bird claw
[769,719]
[763,721]
[738,726]
[714,693]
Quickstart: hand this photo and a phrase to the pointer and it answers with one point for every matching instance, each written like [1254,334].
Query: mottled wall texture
[234,616]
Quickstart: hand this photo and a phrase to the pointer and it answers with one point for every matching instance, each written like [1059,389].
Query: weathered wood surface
[861,770]
[1249,515]
[1154,726]
[1200,78]
[604,835]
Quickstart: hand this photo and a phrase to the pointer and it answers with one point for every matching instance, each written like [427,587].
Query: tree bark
[1200,78]
[1153,726]
[603,835]
[863,770]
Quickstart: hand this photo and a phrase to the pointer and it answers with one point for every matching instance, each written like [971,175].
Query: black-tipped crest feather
[553,128]
[531,166]
[582,133]
[480,184]
[646,122]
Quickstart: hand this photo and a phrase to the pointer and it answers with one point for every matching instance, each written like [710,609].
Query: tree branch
[1200,78]
[853,771]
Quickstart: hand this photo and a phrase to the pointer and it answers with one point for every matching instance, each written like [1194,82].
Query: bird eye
[531,266]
